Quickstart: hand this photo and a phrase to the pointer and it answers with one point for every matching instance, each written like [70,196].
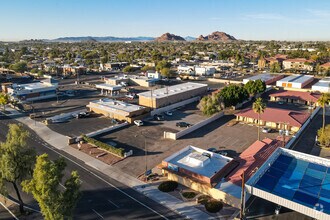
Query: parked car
[168,113]
[222,152]
[212,149]
[159,117]
[183,124]
[266,130]
[84,114]
[138,123]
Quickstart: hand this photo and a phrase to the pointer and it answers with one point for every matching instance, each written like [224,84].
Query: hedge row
[117,151]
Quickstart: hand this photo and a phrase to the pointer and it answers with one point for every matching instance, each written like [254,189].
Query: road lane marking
[9,211]
[110,184]
[113,203]
[62,185]
[98,214]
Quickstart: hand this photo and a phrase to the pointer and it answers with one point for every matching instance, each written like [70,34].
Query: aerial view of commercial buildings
[233,123]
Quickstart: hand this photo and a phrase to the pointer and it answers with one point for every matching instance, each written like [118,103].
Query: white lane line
[110,184]
[9,211]
[62,185]
[113,203]
[98,214]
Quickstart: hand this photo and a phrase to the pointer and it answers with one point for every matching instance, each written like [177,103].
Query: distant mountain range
[215,36]
[100,39]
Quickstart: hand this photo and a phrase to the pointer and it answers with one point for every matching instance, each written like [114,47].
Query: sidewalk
[60,142]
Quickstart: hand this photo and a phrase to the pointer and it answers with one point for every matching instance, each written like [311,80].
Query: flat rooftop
[325,82]
[114,105]
[295,176]
[33,86]
[296,78]
[191,158]
[263,77]
[108,86]
[173,90]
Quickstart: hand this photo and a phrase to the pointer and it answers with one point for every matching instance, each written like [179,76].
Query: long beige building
[118,110]
[172,94]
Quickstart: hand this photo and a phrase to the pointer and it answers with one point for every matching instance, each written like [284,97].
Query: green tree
[255,87]
[128,69]
[146,68]
[233,94]
[19,67]
[323,136]
[165,72]
[162,64]
[4,100]
[275,68]
[322,101]
[16,160]
[45,187]
[259,107]
[211,104]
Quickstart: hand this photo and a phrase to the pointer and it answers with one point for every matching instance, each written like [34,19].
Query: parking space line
[9,211]
[98,214]
[113,203]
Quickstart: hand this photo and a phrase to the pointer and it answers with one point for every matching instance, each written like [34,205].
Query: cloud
[319,13]
[265,16]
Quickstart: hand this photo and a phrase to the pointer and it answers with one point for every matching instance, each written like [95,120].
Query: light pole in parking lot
[146,173]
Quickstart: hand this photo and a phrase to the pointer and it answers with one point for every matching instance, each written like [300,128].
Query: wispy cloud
[319,13]
[265,16]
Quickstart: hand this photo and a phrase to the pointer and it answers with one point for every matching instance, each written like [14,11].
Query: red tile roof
[281,56]
[292,118]
[325,65]
[304,96]
[299,60]
[253,158]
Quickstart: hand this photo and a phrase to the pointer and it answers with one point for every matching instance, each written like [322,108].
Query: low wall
[103,130]
[173,106]
[175,136]
[224,81]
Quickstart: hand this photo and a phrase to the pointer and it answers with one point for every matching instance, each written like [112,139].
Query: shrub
[189,195]
[213,206]
[203,199]
[117,151]
[323,136]
[168,186]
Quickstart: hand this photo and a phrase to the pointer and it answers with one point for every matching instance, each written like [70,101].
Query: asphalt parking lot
[217,134]
[306,142]
[50,107]
[189,114]
[76,127]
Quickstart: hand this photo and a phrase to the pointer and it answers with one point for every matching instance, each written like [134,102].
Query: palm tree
[259,107]
[322,101]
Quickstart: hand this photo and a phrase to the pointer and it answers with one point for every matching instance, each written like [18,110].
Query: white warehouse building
[295,81]
[322,86]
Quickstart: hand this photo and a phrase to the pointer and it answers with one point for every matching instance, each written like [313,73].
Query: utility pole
[242,213]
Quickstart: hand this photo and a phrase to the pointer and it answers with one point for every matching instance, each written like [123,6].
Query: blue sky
[244,19]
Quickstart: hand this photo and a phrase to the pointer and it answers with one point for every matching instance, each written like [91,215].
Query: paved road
[102,197]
